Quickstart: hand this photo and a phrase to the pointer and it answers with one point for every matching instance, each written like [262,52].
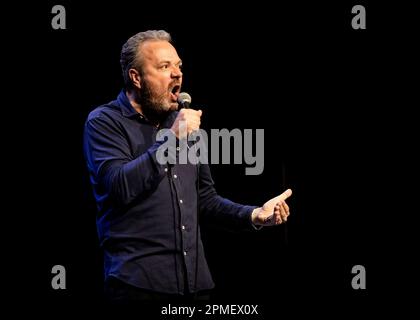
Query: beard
[155,105]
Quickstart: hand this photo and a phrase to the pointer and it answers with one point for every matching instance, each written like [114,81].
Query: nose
[176,72]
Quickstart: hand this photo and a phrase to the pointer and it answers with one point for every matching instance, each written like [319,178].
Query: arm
[113,167]
[217,208]
[275,211]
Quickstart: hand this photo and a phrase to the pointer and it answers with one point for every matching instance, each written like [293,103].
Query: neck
[132,98]
[137,106]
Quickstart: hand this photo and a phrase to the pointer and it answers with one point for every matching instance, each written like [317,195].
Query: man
[148,221]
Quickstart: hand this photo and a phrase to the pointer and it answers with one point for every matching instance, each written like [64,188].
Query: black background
[333,102]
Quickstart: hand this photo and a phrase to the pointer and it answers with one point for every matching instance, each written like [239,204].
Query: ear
[135,78]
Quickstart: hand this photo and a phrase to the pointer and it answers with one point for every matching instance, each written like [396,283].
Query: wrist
[254,219]
[254,216]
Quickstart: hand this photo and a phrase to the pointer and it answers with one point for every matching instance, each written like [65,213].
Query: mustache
[174,84]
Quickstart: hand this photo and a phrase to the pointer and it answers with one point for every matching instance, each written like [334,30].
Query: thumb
[286,194]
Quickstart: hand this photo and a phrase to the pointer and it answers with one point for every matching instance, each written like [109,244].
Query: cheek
[159,83]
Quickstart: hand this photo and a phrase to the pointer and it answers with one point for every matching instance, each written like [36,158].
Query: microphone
[184,100]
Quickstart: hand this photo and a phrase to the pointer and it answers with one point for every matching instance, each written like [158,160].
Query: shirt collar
[126,107]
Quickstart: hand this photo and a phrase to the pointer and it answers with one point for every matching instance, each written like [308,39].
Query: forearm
[128,181]
[226,212]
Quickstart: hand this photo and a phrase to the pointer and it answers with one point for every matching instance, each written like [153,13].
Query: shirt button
[185,253]
[183,227]
[175,176]
[180,201]
[166,169]
[178,148]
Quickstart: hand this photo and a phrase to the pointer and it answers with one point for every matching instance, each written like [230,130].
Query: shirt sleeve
[112,165]
[232,215]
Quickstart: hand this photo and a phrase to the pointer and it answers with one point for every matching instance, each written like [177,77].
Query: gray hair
[131,58]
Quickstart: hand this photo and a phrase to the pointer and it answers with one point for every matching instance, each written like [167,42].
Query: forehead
[154,51]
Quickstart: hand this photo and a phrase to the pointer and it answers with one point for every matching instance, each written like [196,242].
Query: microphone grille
[184,98]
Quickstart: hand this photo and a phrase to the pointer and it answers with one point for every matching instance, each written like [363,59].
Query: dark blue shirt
[147,211]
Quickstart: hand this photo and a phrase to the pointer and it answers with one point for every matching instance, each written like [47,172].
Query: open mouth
[175,92]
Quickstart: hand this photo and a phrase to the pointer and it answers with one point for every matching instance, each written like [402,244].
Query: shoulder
[105,112]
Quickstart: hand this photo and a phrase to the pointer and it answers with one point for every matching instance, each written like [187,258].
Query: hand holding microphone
[187,120]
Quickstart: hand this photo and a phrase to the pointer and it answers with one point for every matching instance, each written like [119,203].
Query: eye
[164,66]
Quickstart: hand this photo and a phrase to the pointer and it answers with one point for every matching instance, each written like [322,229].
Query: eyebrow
[168,61]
